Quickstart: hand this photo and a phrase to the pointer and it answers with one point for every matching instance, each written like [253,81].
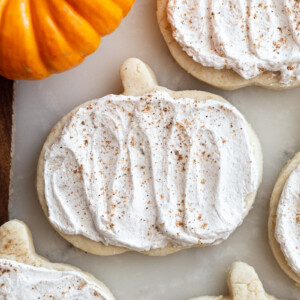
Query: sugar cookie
[233,46]
[151,170]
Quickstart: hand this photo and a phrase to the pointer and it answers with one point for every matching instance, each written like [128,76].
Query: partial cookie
[152,170]
[243,284]
[25,274]
[284,219]
[226,78]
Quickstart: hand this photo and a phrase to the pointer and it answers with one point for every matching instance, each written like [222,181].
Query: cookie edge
[284,174]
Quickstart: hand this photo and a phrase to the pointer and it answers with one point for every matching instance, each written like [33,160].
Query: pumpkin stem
[16,240]
[137,77]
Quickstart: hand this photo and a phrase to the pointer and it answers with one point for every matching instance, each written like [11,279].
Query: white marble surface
[275,117]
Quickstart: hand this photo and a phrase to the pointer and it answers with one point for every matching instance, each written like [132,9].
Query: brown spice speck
[81,285]
[132,141]
[179,223]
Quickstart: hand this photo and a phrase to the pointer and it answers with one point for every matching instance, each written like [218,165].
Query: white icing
[144,172]
[246,36]
[20,281]
[287,231]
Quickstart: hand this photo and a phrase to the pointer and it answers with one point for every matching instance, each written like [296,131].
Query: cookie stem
[137,77]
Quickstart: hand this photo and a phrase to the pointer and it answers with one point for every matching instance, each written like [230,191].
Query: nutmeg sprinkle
[249,37]
[149,167]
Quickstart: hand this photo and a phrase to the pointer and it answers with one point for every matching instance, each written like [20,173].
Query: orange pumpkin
[41,37]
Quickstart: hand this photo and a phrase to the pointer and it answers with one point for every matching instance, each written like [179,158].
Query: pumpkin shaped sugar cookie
[42,37]
[26,275]
[151,170]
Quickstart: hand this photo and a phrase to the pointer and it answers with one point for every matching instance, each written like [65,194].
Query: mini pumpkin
[42,37]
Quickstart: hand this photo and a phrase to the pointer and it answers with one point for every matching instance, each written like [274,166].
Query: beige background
[275,116]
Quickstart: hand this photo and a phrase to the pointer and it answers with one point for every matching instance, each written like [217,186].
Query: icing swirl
[249,37]
[21,281]
[144,172]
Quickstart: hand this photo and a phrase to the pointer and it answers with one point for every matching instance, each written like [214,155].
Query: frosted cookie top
[145,172]
[287,231]
[21,281]
[248,37]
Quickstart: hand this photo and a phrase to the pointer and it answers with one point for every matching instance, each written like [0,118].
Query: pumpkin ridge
[51,61]
[116,16]
[30,19]
[3,8]
[68,38]
[35,35]
[125,7]
[77,10]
